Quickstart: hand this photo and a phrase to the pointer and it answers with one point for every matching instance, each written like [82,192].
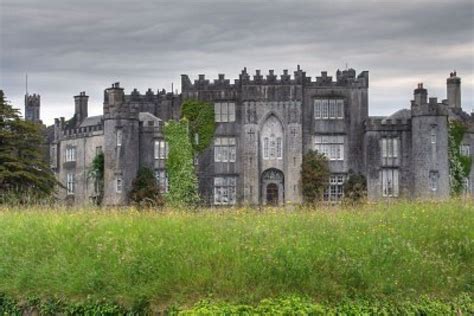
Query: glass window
[335,190]
[224,149]
[390,150]
[434,175]
[266,144]
[70,153]
[70,183]
[118,184]
[224,111]
[465,150]
[332,146]
[119,137]
[328,109]
[162,180]
[433,135]
[390,182]
[161,149]
[225,190]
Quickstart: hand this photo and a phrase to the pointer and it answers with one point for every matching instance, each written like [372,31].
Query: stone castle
[264,126]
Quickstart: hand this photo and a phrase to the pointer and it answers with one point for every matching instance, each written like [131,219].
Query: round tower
[121,142]
[430,168]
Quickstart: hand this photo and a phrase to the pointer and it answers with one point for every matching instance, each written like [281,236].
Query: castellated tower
[430,167]
[121,145]
[453,84]
[32,108]
[81,102]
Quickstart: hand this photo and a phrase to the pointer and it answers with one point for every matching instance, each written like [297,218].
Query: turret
[420,95]
[80,112]
[32,107]
[121,141]
[429,127]
[453,85]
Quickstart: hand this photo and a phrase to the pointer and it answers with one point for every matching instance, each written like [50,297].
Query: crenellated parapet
[343,78]
[387,124]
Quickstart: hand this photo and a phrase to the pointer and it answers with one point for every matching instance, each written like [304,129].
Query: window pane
[224,112]
[279,148]
[317,109]
[231,112]
[324,109]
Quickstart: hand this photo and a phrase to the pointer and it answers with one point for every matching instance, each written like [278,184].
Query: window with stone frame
[118,184]
[390,182]
[53,156]
[161,149]
[390,151]
[434,176]
[332,146]
[465,149]
[328,109]
[335,189]
[225,190]
[118,137]
[272,139]
[70,183]
[162,180]
[224,149]
[70,153]
[224,111]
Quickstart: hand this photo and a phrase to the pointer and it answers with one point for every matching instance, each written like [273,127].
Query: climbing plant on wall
[96,173]
[200,117]
[459,164]
[182,179]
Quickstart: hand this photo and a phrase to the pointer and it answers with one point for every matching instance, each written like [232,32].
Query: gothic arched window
[272,139]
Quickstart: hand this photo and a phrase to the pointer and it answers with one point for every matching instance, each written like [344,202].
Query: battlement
[33,99]
[149,96]
[384,124]
[86,131]
[343,78]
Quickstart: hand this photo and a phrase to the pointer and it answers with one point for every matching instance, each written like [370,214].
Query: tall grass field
[235,261]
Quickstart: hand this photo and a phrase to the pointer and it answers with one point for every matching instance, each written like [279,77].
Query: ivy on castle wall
[459,164]
[200,117]
[182,179]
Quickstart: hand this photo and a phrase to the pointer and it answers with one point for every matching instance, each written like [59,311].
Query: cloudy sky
[70,46]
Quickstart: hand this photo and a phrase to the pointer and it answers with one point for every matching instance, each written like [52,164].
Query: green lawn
[385,252]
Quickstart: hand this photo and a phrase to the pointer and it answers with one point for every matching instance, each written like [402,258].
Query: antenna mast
[26,84]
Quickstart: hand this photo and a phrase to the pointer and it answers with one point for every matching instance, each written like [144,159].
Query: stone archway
[272,191]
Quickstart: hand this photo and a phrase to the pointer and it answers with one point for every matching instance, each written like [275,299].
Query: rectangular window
[266,143]
[161,149]
[53,157]
[465,150]
[279,148]
[70,185]
[118,184]
[328,109]
[390,151]
[162,180]
[98,150]
[335,190]
[390,182]
[433,135]
[224,111]
[434,175]
[224,149]
[332,146]
[70,153]
[225,190]
[119,137]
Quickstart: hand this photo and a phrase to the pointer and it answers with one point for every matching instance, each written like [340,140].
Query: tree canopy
[24,170]
[314,176]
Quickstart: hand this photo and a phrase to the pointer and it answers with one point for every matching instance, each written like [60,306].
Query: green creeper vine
[200,116]
[459,164]
[182,179]
[96,173]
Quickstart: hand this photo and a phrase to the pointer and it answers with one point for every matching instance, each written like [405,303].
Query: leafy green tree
[96,173]
[459,164]
[182,179]
[201,123]
[314,176]
[355,187]
[145,191]
[24,171]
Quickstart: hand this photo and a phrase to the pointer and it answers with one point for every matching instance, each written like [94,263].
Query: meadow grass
[384,251]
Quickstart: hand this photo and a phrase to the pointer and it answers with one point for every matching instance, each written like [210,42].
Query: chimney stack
[453,85]
[420,94]
[81,102]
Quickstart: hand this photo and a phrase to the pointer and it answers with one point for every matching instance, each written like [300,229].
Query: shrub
[314,176]
[145,191]
[355,187]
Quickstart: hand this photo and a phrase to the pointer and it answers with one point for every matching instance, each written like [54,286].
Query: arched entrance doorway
[272,187]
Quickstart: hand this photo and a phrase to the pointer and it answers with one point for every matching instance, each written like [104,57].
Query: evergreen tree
[314,176]
[24,171]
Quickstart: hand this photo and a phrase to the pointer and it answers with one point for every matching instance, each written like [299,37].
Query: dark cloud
[70,46]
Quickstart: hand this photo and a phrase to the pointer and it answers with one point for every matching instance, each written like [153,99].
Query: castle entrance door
[272,187]
[272,194]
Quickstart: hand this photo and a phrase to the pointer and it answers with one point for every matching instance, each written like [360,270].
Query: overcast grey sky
[71,46]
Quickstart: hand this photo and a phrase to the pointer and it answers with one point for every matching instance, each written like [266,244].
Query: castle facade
[264,125]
